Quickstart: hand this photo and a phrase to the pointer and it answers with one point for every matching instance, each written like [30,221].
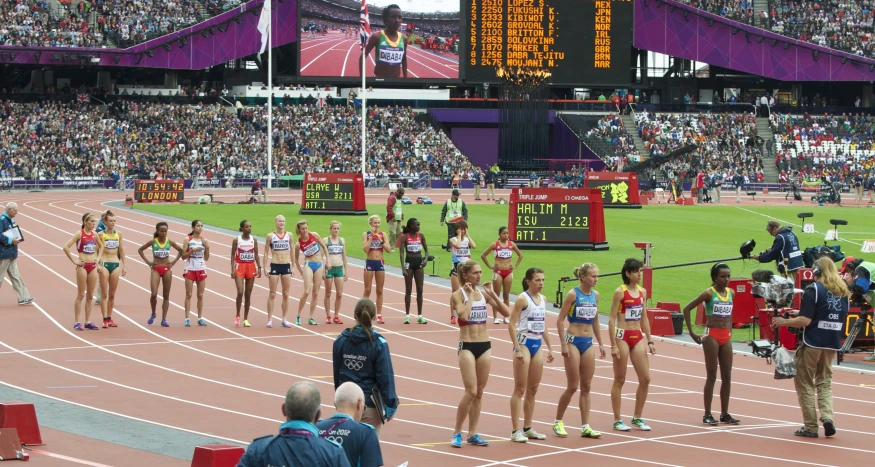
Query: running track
[335,54]
[228,382]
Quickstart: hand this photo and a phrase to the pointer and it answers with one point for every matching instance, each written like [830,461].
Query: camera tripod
[859,325]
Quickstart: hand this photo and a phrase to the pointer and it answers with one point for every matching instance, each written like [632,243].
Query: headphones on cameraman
[816,270]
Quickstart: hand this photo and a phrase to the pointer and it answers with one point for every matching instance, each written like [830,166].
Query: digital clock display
[159,190]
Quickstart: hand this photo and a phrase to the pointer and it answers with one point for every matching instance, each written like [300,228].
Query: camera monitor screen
[409,39]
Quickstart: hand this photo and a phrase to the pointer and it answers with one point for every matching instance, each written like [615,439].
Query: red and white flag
[365,30]
[83,98]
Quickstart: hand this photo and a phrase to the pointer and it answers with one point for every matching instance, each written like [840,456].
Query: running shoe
[829,428]
[589,433]
[187,322]
[532,434]
[497,321]
[620,425]
[152,318]
[246,323]
[870,358]
[476,440]
[726,418]
[421,320]
[328,320]
[91,327]
[286,324]
[201,322]
[407,319]
[26,301]
[337,320]
[298,321]
[111,323]
[559,429]
[452,320]
[518,437]
[380,319]
[237,322]
[104,324]
[97,300]
[639,423]
[270,323]
[78,327]
[312,322]
[456,441]
[164,323]
[709,420]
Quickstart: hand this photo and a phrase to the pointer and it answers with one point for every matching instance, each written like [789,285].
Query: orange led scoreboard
[557,218]
[579,41]
[159,190]
[333,193]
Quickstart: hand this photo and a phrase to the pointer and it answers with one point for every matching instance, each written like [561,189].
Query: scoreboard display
[551,218]
[619,189]
[159,190]
[582,42]
[333,194]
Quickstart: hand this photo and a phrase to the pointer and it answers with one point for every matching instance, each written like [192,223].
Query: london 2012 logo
[619,192]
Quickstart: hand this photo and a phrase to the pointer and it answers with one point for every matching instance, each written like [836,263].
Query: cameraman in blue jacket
[785,250]
[361,355]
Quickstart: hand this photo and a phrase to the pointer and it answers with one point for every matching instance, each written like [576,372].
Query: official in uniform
[298,444]
[822,318]
[359,440]
[394,215]
[454,210]
[785,250]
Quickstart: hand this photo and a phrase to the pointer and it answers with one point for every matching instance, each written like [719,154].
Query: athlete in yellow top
[391,54]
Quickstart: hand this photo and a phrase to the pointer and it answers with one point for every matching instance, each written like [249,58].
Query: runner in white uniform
[460,248]
[336,271]
[195,252]
[278,257]
[527,329]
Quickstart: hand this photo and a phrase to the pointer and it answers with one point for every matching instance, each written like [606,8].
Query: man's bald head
[302,402]
[350,399]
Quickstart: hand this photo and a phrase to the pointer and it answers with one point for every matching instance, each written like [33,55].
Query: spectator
[359,440]
[9,254]
[454,210]
[394,215]
[298,443]
[490,185]
[477,179]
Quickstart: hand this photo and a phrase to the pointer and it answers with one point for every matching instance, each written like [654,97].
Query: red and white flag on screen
[365,30]
[83,98]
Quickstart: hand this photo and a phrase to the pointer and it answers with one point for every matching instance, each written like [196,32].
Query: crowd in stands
[610,140]
[32,23]
[741,11]
[135,139]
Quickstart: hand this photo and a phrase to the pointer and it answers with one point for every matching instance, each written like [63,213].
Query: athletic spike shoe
[589,433]
[152,318]
[407,319]
[164,323]
[298,321]
[421,320]
[380,319]
[559,429]
[518,437]
[312,322]
[246,323]
[237,322]
[91,327]
[620,425]
[497,321]
[187,322]
[639,423]
[709,420]
[286,324]
[476,440]
[532,434]
[201,322]
[111,323]
[506,321]
[269,324]
[456,440]
[726,418]
[105,325]
[452,320]
[328,320]
[337,320]
[78,327]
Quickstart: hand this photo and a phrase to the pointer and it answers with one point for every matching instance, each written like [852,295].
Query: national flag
[83,98]
[264,24]
[365,30]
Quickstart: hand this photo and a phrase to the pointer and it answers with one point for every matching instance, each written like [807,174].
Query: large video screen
[418,39]
[582,42]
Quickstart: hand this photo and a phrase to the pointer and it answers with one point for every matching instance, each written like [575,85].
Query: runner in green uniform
[391,54]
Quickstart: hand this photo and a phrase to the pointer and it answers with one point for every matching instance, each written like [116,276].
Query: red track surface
[335,54]
[228,382]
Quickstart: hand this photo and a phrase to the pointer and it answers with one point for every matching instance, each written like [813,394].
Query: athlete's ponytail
[409,227]
[530,274]
[193,225]
[85,219]
[364,314]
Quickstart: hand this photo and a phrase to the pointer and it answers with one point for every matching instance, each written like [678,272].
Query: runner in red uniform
[375,245]
[89,247]
[195,252]
[313,247]
[502,271]
[243,268]
[628,319]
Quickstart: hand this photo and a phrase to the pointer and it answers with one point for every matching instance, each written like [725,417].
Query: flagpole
[364,89]
[269,97]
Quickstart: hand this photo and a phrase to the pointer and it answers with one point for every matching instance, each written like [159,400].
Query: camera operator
[822,316]
[785,250]
[858,276]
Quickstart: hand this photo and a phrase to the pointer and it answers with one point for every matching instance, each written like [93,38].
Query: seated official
[822,318]
[257,190]
[298,443]
[359,440]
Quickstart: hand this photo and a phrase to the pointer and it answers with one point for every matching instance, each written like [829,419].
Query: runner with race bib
[243,268]
[195,252]
[313,247]
[391,52]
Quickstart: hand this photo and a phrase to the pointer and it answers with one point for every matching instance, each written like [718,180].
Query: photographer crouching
[785,250]
[822,316]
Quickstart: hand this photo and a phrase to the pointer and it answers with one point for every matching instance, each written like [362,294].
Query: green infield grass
[679,234]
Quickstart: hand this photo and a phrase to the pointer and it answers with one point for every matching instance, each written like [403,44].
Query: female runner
[412,244]
[243,263]
[475,354]
[628,319]
[113,260]
[502,268]
[580,307]
[527,328]
[161,269]
[90,248]
[278,254]
[101,226]
[375,245]
[311,244]
[195,252]
[460,249]
[717,340]
[336,272]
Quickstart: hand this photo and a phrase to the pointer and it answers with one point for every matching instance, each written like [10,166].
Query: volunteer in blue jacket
[9,255]
[361,355]
[298,443]
[785,250]
[822,317]
[358,439]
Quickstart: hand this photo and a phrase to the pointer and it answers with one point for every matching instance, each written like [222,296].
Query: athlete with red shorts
[89,247]
[161,269]
[195,252]
[375,245]
[502,277]
[628,319]
[243,269]
[717,340]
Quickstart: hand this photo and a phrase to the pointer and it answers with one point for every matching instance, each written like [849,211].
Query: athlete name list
[515,33]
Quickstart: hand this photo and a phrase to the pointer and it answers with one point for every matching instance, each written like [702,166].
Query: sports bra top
[414,244]
[110,242]
[478,314]
[585,307]
[245,250]
[720,307]
[278,243]
[503,252]
[632,307]
[532,322]
[87,243]
[310,247]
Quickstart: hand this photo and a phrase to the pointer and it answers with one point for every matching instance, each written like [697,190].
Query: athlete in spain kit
[195,252]
[391,50]
[503,250]
[278,257]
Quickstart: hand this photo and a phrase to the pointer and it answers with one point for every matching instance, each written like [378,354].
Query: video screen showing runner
[409,39]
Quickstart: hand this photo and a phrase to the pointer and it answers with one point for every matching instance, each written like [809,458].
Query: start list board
[579,41]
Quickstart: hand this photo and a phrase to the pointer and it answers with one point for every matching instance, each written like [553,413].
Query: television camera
[778,292]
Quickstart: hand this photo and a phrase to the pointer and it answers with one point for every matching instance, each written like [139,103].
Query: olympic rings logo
[353,364]
[336,439]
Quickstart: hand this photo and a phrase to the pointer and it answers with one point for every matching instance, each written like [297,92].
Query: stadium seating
[606,135]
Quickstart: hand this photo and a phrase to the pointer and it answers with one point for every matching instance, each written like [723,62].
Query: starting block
[217,455]
[22,416]
[10,445]
[660,322]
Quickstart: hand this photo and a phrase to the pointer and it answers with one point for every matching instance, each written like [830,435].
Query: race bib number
[414,247]
[247,256]
[478,315]
[706,332]
[521,338]
[536,326]
[197,254]
[88,249]
[633,313]
[461,344]
[723,310]
[391,56]
[335,249]
[463,253]
[111,244]
[376,244]
[830,325]
[585,312]
[281,245]
[311,249]
[504,254]
[620,333]
[569,338]
[162,254]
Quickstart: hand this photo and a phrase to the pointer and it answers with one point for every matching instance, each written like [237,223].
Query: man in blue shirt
[359,440]
[785,250]
[9,255]
[298,443]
